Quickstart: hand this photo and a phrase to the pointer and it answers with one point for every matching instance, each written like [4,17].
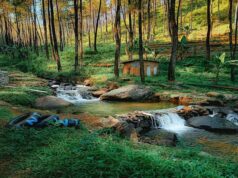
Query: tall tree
[76,36]
[208,50]
[173,28]
[117,29]
[149,18]
[81,32]
[35,28]
[54,37]
[45,29]
[142,75]
[60,26]
[96,28]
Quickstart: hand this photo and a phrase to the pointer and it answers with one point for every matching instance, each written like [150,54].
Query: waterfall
[233,117]
[169,121]
[76,95]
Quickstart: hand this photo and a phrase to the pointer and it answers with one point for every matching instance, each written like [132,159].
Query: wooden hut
[151,68]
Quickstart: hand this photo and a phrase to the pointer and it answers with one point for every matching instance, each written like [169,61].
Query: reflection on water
[101,108]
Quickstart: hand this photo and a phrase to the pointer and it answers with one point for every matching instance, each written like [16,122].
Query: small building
[151,68]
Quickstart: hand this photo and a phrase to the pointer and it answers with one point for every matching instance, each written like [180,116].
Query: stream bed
[84,102]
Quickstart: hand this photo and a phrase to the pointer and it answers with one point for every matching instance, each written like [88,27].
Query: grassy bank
[64,152]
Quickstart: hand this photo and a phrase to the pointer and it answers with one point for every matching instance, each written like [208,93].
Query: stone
[216,124]
[88,82]
[100,92]
[51,102]
[127,130]
[112,86]
[159,137]
[129,93]
[214,94]
[110,122]
[212,102]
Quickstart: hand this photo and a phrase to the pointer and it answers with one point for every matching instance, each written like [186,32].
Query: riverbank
[71,152]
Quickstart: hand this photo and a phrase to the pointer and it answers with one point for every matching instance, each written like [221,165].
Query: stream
[84,102]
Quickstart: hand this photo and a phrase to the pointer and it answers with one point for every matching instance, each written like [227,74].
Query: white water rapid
[76,95]
[170,121]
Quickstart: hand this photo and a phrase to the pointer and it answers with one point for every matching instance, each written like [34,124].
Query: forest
[119,88]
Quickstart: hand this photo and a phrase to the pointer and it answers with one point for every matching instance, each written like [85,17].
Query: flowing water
[163,118]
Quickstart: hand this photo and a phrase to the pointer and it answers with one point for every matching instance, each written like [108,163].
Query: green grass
[63,152]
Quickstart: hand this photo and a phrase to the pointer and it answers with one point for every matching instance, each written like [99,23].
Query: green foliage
[218,62]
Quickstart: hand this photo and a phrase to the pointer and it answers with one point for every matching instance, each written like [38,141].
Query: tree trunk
[96,29]
[142,75]
[35,28]
[76,35]
[81,32]
[117,29]
[50,29]
[131,34]
[55,43]
[45,29]
[173,26]
[208,50]
[235,45]
[149,23]
[60,26]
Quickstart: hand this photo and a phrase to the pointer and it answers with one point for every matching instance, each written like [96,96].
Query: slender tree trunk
[149,22]
[76,35]
[35,28]
[208,50]
[50,29]
[235,45]
[117,29]
[230,34]
[89,35]
[60,26]
[191,14]
[45,29]
[131,33]
[97,22]
[55,43]
[81,32]
[173,26]
[142,75]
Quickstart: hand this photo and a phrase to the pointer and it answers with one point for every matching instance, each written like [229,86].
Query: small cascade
[233,117]
[169,121]
[75,95]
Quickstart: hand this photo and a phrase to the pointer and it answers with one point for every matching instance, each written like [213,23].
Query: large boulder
[129,93]
[51,102]
[216,124]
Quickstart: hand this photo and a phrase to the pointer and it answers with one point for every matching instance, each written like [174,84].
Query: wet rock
[100,92]
[88,82]
[110,122]
[127,130]
[215,124]
[214,94]
[112,86]
[51,102]
[188,112]
[212,102]
[159,137]
[129,93]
